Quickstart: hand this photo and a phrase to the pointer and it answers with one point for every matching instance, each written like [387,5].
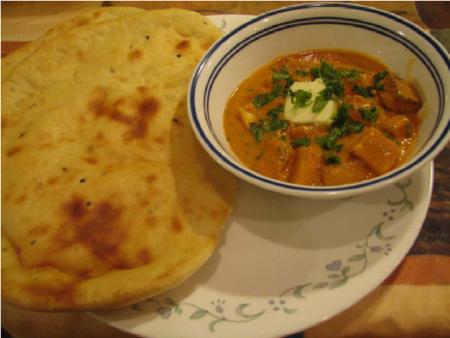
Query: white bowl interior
[234,60]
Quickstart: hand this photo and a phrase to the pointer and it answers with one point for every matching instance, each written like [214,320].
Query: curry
[323,117]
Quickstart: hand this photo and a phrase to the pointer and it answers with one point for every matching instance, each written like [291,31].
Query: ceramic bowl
[404,47]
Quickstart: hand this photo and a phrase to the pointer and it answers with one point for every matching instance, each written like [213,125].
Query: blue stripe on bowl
[378,29]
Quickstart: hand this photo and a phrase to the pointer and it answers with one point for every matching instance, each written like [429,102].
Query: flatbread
[107,196]
[11,61]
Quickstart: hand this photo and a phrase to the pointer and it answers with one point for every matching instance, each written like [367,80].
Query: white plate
[287,263]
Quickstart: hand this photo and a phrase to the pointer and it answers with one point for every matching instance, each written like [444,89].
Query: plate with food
[111,204]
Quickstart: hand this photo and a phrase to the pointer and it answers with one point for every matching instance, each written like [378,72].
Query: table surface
[434,237]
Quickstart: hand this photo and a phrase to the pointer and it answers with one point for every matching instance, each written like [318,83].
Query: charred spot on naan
[145,256]
[21,199]
[177,224]
[98,228]
[135,55]
[63,292]
[143,108]
[182,46]
[90,160]
[52,180]
[13,151]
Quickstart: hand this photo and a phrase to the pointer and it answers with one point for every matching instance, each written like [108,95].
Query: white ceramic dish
[402,46]
[286,263]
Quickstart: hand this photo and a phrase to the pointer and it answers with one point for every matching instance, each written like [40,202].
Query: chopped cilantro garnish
[378,87]
[320,100]
[350,74]
[388,135]
[328,142]
[369,114]
[282,79]
[263,99]
[332,159]
[300,98]
[332,79]
[274,112]
[341,116]
[338,147]
[268,125]
[257,131]
[342,125]
[282,74]
[379,76]
[353,126]
[327,71]
[315,72]
[274,124]
[301,142]
[363,91]
[367,91]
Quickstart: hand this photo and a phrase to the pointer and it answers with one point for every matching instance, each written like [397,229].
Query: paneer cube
[399,95]
[376,150]
[274,158]
[347,172]
[306,167]
[398,126]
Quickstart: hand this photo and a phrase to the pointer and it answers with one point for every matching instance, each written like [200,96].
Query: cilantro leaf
[301,142]
[275,112]
[332,79]
[320,100]
[328,142]
[389,135]
[332,158]
[379,76]
[269,124]
[369,114]
[363,91]
[341,116]
[353,126]
[315,72]
[276,124]
[263,99]
[327,71]
[257,131]
[342,125]
[282,74]
[350,74]
[300,98]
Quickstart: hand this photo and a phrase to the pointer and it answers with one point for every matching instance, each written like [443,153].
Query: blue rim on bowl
[295,189]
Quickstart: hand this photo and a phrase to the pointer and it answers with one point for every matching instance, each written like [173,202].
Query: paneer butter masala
[323,117]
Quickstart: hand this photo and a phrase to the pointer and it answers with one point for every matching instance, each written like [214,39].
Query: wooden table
[433,239]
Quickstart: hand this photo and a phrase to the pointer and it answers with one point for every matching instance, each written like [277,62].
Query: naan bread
[11,61]
[107,196]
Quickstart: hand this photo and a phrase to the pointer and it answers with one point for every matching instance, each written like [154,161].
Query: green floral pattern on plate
[339,272]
